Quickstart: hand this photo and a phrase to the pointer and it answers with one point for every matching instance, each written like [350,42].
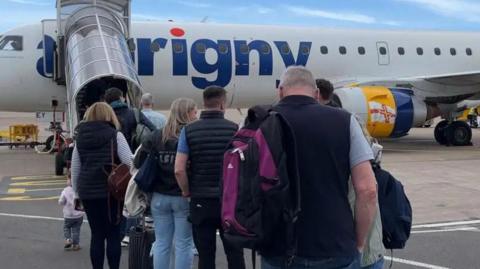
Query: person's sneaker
[76,247]
[125,241]
[68,244]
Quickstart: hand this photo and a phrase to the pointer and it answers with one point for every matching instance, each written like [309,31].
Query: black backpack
[260,194]
[395,210]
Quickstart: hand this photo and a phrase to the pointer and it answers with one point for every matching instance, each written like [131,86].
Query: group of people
[339,225]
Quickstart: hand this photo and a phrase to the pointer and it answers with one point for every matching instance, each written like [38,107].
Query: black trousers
[103,229]
[205,218]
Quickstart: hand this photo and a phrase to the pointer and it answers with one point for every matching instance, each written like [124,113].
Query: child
[73,218]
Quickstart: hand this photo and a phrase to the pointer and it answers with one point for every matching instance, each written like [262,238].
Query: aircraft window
[177,48]
[437,51]
[419,51]
[201,48]
[285,49]
[11,43]
[324,49]
[265,49]
[361,50]
[401,51]
[383,50]
[305,50]
[469,51]
[342,50]
[223,49]
[453,51]
[244,49]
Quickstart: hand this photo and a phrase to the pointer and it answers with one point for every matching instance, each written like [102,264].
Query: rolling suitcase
[141,241]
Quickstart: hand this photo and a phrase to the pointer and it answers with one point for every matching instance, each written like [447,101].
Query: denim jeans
[377,265]
[170,216]
[71,229]
[300,263]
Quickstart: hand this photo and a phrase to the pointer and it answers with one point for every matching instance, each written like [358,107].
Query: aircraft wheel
[50,143]
[441,132]
[59,164]
[459,133]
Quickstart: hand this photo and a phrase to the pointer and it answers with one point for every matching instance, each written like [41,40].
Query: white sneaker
[125,241]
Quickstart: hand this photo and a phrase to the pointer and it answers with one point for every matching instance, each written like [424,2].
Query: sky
[453,15]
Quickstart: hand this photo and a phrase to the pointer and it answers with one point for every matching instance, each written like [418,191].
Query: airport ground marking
[414,263]
[38,183]
[446,224]
[446,230]
[16,191]
[33,217]
[28,198]
[37,177]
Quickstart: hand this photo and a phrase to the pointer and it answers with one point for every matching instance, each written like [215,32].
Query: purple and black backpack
[261,198]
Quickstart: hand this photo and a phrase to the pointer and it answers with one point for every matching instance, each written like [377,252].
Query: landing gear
[441,132]
[457,133]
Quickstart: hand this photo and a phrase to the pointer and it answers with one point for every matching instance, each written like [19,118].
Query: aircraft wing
[467,79]
[457,79]
[462,85]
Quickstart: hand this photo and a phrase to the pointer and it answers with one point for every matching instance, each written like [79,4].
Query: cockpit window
[11,43]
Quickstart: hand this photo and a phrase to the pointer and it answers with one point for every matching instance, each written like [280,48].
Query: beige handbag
[135,200]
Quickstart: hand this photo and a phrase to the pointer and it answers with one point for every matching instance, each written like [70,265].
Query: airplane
[394,80]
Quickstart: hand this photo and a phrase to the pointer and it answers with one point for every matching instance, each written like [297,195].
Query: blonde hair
[102,111]
[179,117]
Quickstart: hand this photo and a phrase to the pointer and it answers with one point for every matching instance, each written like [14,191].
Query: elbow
[368,194]
[179,173]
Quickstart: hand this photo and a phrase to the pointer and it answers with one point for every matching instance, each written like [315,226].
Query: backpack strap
[113,144]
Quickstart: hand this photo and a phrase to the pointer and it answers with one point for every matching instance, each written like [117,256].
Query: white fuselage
[214,54]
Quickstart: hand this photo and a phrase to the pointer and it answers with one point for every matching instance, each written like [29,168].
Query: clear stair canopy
[97,56]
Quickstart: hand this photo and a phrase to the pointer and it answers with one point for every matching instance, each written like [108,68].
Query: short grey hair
[147,99]
[297,76]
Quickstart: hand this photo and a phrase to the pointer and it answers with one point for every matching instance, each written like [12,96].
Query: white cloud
[194,4]
[341,16]
[392,23]
[264,10]
[459,9]
[31,2]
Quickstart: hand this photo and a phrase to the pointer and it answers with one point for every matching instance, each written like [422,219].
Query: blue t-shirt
[182,143]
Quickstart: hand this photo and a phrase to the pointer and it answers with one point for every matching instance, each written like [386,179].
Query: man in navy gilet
[330,148]
[201,145]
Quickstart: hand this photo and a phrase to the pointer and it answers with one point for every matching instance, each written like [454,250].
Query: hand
[186,194]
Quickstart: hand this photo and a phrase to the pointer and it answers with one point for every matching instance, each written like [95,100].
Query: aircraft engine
[387,112]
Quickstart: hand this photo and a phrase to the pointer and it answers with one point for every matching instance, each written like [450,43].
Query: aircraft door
[383,53]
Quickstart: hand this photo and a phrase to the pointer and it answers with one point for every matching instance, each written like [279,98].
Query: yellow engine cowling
[387,112]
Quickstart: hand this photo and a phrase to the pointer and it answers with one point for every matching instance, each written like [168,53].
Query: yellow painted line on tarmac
[28,198]
[16,191]
[48,189]
[38,183]
[37,177]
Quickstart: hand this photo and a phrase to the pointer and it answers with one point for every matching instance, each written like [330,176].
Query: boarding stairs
[93,52]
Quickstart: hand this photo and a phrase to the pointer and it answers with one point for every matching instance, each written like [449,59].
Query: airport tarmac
[441,183]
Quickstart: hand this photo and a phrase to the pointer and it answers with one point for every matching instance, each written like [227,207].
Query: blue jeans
[377,265]
[170,215]
[71,229]
[301,263]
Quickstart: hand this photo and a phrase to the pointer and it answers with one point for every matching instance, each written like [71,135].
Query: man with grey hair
[330,149]
[157,118]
